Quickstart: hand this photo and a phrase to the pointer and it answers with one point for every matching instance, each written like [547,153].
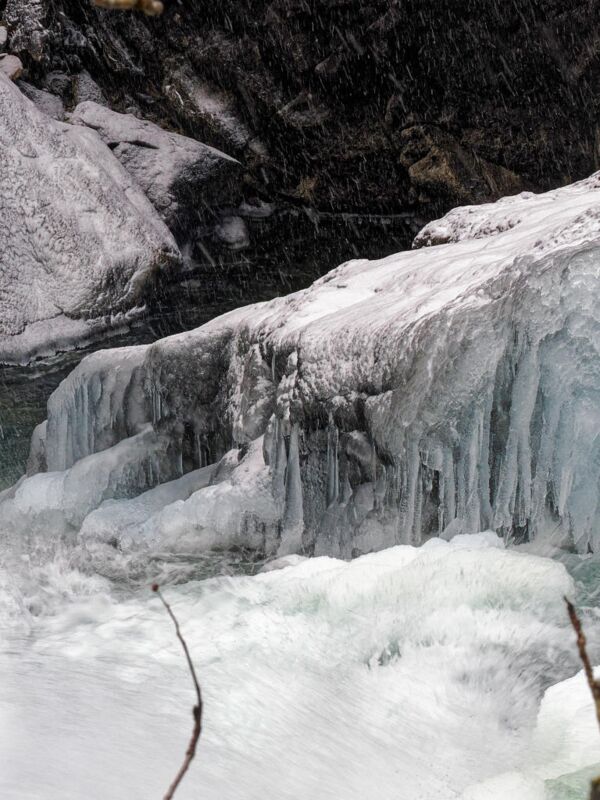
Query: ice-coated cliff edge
[448,389]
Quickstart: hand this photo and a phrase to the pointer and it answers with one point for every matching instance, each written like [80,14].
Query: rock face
[182,177]
[445,390]
[27,26]
[79,241]
[387,106]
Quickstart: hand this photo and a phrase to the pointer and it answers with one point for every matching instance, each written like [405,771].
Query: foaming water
[410,673]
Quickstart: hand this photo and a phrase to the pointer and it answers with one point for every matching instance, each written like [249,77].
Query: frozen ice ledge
[452,388]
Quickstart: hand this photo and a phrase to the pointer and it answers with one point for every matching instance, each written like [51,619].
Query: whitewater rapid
[413,673]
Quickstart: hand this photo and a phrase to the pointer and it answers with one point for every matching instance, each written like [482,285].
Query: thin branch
[589,674]
[583,655]
[150,7]
[196,711]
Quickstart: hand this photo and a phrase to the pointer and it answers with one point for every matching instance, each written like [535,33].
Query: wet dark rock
[330,88]
[439,167]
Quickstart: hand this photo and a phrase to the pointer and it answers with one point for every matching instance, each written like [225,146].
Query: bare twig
[196,711]
[150,7]
[583,655]
[589,674]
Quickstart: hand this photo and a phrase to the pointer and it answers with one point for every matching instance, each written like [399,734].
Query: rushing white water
[413,673]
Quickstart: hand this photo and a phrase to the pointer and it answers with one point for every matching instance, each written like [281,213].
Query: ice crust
[446,390]
[79,241]
[62,500]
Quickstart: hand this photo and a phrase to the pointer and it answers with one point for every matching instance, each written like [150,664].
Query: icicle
[515,472]
[278,460]
[293,518]
[413,474]
[333,438]
[448,490]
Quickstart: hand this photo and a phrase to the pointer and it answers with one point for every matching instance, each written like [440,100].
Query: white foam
[411,673]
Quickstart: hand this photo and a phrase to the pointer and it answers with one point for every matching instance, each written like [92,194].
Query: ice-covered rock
[445,390]
[79,241]
[125,520]
[65,499]
[180,175]
[96,406]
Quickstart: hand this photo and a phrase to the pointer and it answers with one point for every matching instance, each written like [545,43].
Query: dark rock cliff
[355,121]
[357,106]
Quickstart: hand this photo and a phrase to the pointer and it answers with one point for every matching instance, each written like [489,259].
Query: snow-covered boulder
[439,391]
[179,175]
[79,241]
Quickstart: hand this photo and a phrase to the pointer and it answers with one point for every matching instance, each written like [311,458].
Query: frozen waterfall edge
[449,389]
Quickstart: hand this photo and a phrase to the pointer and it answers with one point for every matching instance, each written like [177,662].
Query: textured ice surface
[239,511]
[124,520]
[62,500]
[173,170]
[409,674]
[445,390]
[79,241]
[563,752]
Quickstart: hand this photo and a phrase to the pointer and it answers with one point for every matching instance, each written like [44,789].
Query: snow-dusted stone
[212,113]
[179,175]
[26,21]
[79,241]
[48,103]
[85,89]
[233,232]
[439,391]
[11,66]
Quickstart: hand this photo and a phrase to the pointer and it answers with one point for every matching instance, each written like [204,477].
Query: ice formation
[79,241]
[447,389]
